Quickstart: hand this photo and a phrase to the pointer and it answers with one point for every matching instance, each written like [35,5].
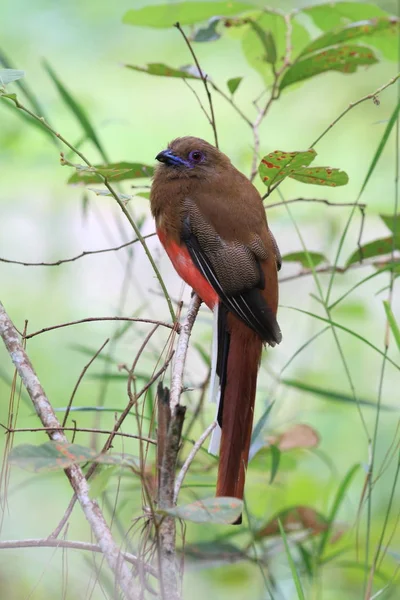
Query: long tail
[238,359]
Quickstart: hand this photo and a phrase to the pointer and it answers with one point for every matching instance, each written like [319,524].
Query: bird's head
[191,157]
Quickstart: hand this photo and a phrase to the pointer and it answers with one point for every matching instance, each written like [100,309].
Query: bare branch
[74,473]
[94,319]
[81,376]
[189,460]
[76,545]
[78,430]
[370,96]
[73,258]
[320,200]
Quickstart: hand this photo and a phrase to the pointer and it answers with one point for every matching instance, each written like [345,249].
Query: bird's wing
[235,272]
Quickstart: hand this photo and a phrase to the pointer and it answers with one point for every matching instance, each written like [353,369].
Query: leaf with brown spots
[321,176]
[298,436]
[358,29]
[277,165]
[304,257]
[294,520]
[345,59]
[378,248]
[209,510]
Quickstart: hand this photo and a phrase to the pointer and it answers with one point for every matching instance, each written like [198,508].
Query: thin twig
[94,319]
[275,93]
[205,83]
[78,430]
[333,269]
[114,194]
[231,102]
[189,460]
[353,104]
[54,543]
[74,473]
[81,376]
[62,261]
[320,200]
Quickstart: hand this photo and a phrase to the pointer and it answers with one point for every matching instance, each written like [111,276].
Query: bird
[212,224]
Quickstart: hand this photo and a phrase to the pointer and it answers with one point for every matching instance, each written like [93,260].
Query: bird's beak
[169,158]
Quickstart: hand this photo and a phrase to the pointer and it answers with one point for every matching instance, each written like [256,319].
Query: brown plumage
[212,223]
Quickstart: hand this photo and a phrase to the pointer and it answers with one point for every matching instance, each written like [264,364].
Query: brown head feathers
[191,157]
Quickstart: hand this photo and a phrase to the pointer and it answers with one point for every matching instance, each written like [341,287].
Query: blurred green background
[43,219]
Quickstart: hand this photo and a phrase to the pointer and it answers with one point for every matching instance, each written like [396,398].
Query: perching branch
[74,473]
[181,351]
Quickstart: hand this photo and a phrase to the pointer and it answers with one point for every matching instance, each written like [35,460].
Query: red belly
[186,268]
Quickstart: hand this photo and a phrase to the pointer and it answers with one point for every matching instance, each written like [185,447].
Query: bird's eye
[196,156]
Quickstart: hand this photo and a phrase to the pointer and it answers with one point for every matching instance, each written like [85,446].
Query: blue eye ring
[196,156]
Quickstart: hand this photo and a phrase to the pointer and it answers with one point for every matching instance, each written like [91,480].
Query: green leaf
[353,31]
[381,146]
[279,164]
[9,75]
[276,458]
[75,108]
[267,40]
[321,176]
[392,322]
[335,508]
[106,192]
[303,257]
[327,16]
[345,59]
[233,84]
[186,13]
[208,33]
[376,248]
[210,510]
[254,50]
[52,456]
[392,222]
[329,394]
[113,171]
[295,575]
[161,70]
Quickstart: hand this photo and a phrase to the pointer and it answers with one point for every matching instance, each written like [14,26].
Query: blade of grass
[329,394]
[303,347]
[26,90]
[365,279]
[293,570]
[346,329]
[392,322]
[371,169]
[76,109]
[335,508]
